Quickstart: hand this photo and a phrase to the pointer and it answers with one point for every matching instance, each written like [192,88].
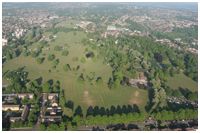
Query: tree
[6,123]
[158,57]
[193,96]
[117,78]
[162,97]
[26,53]
[81,77]
[180,114]
[40,60]
[32,117]
[77,68]
[57,86]
[66,67]
[62,126]
[43,43]
[51,37]
[90,111]
[191,65]
[56,62]
[99,80]
[52,127]
[78,111]
[51,57]
[177,93]
[25,101]
[35,53]
[57,48]
[159,99]
[42,127]
[8,56]
[17,52]
[46,87]
[83,60]
[110,83]
[70,104]
[62,99]
[65,53]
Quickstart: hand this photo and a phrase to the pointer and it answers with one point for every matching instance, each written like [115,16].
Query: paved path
[22,129]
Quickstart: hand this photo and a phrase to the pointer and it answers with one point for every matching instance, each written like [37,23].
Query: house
[44,97]
[54,101]
[8,95]
[15,119]
[10,107]
[27,95]
[51,119]
[19,95]
[54,111]
[4,42]
[141,76]
[8,99]
[23,116]
[141,81]
[137,82]
[25,112]
[52,95]
[111,28]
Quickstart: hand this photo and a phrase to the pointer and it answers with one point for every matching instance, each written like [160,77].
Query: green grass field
[67,24]
[183,81]
[86,93]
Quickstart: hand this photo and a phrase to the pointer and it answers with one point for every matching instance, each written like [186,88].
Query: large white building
[111,28]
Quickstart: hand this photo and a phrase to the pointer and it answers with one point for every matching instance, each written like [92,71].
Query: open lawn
[84,93]
[180,80]
[67,24]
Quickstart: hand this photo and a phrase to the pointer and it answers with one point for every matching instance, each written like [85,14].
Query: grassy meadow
[83,94]
[180,80]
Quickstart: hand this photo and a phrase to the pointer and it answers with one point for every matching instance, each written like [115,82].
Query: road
[22,129]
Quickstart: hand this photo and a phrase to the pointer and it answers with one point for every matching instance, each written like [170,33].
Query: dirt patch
[135,98]
[136,93]
[87,99]
[86,93]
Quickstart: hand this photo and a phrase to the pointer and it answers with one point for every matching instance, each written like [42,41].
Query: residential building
[4,42]
[52,95]
[27,95]
[51,119]
[10,107]
[25,113]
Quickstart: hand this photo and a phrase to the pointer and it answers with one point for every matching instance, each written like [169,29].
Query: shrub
[65,52]
[55,62]
[57,48]
[51,57]
[66,67]
[40,60]
[83,59]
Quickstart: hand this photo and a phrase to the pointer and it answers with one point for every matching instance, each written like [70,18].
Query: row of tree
[112,110]
[181,114]
[105,120]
